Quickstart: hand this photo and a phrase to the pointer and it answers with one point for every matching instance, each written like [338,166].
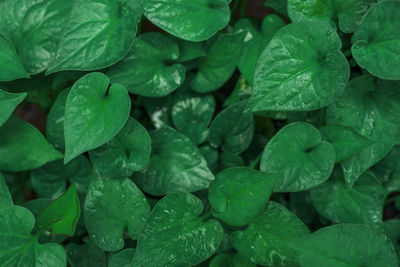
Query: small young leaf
[176,164]
[19,248]
[301,69]
[233,128]
[239,194]
[345,245]
[192,20]
[34,152]
[149,69]
[8,102]
[174,233]
[376,44]
[298,152]
[345,140]
[111,207]
[11,67]
[94,113]
[128,152]
[62,214]
[122,258]
[267,238]
[223,53]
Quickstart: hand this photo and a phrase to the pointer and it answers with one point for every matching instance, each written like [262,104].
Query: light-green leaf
[11,67]
[175,235]
[301,69]
[8,102]
[94,113]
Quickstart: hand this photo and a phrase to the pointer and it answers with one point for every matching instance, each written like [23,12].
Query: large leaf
[370,106]
[298,152]
[192,20]
[97,34]
[23,147]
[376,44]
[267,238]
[149,69]
[94,113]
[363,203]
[223,53]
[8,102]
[11,67]
[19,248]
[301,69]
[175,235]
[233,128]
[345,245]
[128,152]
[176,164]
[239,194]
[111,207]
[348,13]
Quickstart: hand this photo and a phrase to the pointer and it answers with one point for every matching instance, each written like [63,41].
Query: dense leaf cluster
[216,140]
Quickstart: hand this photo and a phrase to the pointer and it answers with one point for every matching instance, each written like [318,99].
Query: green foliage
[214,133]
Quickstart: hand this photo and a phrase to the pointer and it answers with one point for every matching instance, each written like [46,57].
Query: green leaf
[298,152]
[233,128]
[34,28]
[267,238]
[376,44]
[370,106]
[279,6]
[239,194]
[128,152]
[190,50]
[348,13]
[19,248]
[211,156]
[301,69]
[345,140]
[214,70]
[122,258]
[229,160]
[51,179]
[230,260]
[97,34]
[8,103]
[150,68]
[111,207]
[192,20]
[85,255]
[34,152]
[62,214]
[392,230]
[176,164]
[242,91]
[363,203]
[345,245]
[159,109]
[94,113]
[175,235]
[191,114]
[388,170]
[5,196]
[255,42]
[11,67]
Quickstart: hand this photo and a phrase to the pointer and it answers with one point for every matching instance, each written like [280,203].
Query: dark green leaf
[392,230]
[8,102]
[11,67]
[231,260]
[5,196]
[122,258]
[85,255]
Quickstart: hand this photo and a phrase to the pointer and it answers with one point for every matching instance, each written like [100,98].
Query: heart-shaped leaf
[94,113]
[298,152]
[111,207]
[174,233]
[128,152]
[267,238]
[345,245]
[62,214]
[176,164]
[19,248]
[301,69]
[8,102]
[35,152]
[239,194]
[149,69]
[370,106]
[11,67]
[186,18]
[376,44]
